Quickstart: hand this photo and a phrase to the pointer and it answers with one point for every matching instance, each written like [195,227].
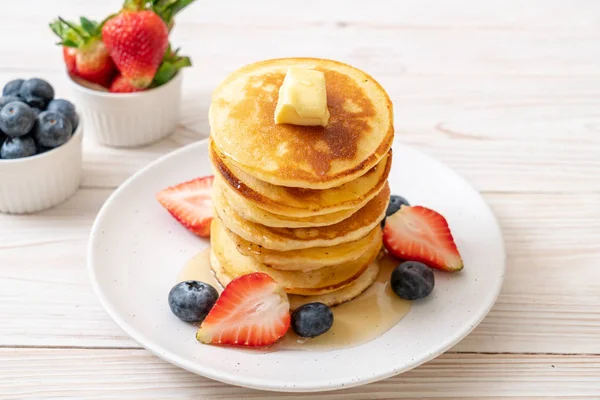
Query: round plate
[136,250]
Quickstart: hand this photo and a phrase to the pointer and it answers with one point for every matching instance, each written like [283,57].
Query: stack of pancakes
[302,203]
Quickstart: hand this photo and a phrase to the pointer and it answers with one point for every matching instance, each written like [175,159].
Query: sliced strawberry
[252,311]
[191,204]
[420,234]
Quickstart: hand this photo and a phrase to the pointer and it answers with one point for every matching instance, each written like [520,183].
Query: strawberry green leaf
[89,26]
[167,9]
[69,43]
[77,29]
[165,73]
[180,5]
[183,62]
[57,28]
[68,35]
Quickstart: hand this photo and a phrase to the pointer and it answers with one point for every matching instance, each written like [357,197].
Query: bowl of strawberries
[125,75]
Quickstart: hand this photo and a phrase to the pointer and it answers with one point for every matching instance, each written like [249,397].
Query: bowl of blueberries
[40,147]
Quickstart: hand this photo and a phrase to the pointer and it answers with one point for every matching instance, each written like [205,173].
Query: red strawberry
[190,203]
[420,234]
[122,85]
[84,52]
[136,39]
[252,311]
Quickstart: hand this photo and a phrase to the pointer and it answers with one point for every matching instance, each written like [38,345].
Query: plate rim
[229,378]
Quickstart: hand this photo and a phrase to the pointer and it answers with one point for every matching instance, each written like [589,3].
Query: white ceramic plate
[136,250]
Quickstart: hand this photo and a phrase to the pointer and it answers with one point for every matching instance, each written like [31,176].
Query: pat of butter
[302,98]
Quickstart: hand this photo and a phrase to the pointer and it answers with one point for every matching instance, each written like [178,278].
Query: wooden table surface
[505,92]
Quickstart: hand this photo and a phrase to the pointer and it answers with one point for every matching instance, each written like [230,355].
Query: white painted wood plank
[504,91]
[136,374]
[549,303]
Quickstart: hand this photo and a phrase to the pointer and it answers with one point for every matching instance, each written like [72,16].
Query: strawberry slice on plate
[253,311]
[190,203]
[421,234]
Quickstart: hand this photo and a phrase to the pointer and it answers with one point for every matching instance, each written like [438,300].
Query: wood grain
[135,374]
[505,92]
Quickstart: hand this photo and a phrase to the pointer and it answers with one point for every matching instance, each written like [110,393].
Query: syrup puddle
[361,320]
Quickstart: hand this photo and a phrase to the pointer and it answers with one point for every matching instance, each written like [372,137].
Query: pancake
[298,202]
[342,295]
[284,239]
[360,131]
[308,259]
[315,282]
[332,299]
[253,213]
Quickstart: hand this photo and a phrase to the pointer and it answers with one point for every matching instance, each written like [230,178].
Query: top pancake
[360,130]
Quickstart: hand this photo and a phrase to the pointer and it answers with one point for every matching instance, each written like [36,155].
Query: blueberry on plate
[394,205]
[191,301]
[312,319]
[17,148]
[52,129]
[66,108]
[12,88]
[16,119]
[36,92]
[4,100]
[412,280]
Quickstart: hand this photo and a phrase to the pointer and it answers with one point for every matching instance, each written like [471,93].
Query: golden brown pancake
[360,131]
[284,239]
[331,299]
[319,281]
[253,213]
[308,259]
[297,202]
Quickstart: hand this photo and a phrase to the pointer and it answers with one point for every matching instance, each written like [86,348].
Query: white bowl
[39,182]
[129,119]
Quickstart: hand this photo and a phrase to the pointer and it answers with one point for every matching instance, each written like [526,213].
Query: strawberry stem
[167,9]
[136,5]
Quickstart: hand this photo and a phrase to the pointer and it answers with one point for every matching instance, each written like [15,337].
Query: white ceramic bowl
[129,119]
[32,184]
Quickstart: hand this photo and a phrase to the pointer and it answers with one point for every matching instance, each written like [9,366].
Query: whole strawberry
[136,39]
[84,52]
[122,85]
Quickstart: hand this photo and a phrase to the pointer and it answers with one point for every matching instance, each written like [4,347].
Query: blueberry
[312,319]
[396,202]
[4,100]
[412,280]
[36,92]
[12,88]
[36,111]
[17,148]
[16,119]
[66,108]
[191,301]
[52,129]
[42,149]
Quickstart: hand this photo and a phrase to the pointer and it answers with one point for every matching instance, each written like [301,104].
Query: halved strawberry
[252,311]
[420,234]
[191,204]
